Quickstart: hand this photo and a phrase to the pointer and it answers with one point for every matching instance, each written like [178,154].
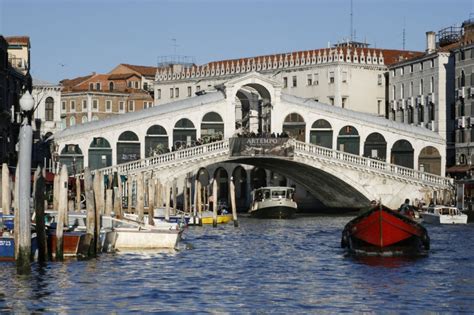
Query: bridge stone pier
[343,158]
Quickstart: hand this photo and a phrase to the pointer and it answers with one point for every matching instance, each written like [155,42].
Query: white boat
[133,235]
[273,203]
[443,215]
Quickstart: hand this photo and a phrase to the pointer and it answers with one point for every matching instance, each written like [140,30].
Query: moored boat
[384,232]
[439,214]
[273,203]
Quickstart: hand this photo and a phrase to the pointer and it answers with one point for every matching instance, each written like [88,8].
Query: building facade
[348,75]
[14,80]
[47,113]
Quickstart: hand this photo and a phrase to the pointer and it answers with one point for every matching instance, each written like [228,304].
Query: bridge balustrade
[308,150]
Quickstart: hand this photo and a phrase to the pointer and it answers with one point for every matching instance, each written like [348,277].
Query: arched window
[156,141]
[212,126]
[348,140]
[295,126]
[402,154]
[375,147]
[84,119]
[111,86]
[184,133]
[100,153]
[72,121]
[128,147]
[321,133]
[49,109]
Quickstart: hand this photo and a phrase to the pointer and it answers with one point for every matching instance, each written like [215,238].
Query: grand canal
[262,266]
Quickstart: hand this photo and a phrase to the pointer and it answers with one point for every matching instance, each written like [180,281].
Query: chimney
[430,42]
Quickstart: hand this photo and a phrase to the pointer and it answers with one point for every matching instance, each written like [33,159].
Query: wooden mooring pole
[167,200]
[232,201]
[140,198]
[6,194]
[214,202]
[39,190]
[78,194]
[151,201]
[91,211]
[62,213]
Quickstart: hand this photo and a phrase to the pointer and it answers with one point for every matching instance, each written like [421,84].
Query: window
[331,100]
[344,99]
[285,82]
[411,88]
[189,91]
[411,68]
[432,63]
[294,81]
[158,94]
[63,106]
[421,87]
[316,78]
[73,106]
[344,77]
[72,121]
[136,84]
[379,79]
[97,86]
[421,66]
[111,86]
[171,92]
[91,86]
[331,77]
[432,85]
[108,105]
[309,80]
[84,105]
[49,109]
[176,92]
[145,86]
[95,105]
[84,119]
[394,92]
[402,91]
[393,72]
[198,88]
[402,71]
[131,106]
[121,106]
[379,107]
[129,84]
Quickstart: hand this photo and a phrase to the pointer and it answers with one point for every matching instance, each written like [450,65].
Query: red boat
[385,232]
[75,244]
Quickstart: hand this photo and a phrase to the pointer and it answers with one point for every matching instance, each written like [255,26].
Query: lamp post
[24,165]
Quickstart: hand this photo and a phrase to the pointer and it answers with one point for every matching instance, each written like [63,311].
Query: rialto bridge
[340,157]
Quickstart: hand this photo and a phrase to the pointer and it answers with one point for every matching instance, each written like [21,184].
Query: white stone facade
[47,98]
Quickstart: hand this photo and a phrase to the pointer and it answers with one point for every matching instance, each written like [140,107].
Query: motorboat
[381,231]
[7,239]
[439,214]
[273,203]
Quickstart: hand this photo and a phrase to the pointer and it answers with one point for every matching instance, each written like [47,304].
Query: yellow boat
[221,219]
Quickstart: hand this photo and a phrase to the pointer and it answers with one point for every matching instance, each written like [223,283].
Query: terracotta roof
[121,76]
[144,70]
[390,55]
[18,40]
[75,81]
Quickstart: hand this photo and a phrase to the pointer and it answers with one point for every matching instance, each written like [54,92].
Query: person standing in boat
[405,207]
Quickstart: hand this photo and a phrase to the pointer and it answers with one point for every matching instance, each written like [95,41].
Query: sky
[75,38]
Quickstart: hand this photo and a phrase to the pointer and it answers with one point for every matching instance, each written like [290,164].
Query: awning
[459,169]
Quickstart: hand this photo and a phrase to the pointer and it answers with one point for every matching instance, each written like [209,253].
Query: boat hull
[384,232]
[7,248]
[75,244]
[221,219]
[444,219]
[274,212]
[146,239]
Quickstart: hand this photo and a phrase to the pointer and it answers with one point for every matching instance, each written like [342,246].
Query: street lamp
[24,181]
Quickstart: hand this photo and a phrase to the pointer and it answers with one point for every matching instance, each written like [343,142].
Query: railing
[312,150]
[306,149]
[168,158]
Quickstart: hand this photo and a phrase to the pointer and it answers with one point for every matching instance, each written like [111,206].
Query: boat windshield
[279,194]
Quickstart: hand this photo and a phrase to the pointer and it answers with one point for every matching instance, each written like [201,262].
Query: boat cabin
[441,210]
[268,193]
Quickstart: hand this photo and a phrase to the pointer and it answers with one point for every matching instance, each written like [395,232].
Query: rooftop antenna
[174,45]
[403,34]
[352,32]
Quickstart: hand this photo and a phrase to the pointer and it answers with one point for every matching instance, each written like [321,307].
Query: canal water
[263,266]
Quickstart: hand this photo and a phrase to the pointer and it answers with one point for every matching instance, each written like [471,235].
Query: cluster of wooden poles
[100,199]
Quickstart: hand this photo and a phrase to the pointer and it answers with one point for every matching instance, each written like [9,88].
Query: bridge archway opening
[402,153]
[430,160]
[100,153]
[295,126]
[212,127]
[156,141]
[72,156]
[203,176]
[375,147]
[222,178]
[128,147]
[321,133]
[184,133]
[253,109]
[239,175]
[258,178]
[348,140]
